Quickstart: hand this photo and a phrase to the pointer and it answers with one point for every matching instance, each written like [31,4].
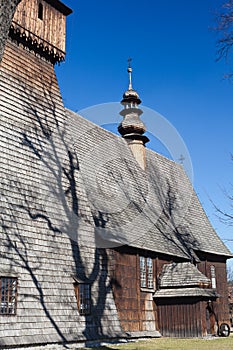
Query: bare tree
[230,274]
[226,217]
[225,28]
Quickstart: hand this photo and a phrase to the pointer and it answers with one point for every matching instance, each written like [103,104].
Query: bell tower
[29,92]
[40,26]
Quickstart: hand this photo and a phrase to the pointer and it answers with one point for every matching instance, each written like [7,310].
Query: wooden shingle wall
[47,232]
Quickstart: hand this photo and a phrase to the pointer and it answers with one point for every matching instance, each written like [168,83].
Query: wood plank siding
[137,310]
[174,317]
[51,28]
[180,318]
[126,290]
[220,307]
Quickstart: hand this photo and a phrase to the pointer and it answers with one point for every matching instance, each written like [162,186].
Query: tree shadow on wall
[46,195]
[158,208]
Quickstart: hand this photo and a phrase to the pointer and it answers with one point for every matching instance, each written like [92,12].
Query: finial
[130,73]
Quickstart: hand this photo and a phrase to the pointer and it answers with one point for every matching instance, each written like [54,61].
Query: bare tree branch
[225,29]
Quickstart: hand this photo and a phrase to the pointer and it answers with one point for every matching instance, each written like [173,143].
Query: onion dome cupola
[132,126]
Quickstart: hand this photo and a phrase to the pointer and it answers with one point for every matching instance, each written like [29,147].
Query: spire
[130,95]
[131,126]
[130,70]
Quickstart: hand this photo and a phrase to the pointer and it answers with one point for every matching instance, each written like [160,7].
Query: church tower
[132,128]
[40,26]
[36,42]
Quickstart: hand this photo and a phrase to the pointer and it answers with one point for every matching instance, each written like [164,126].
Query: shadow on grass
[208,343]
[107,347]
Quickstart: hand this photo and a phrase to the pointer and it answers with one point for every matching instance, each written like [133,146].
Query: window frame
[146,267]
[213,277]
[83,297]
[40,11]
[8,295]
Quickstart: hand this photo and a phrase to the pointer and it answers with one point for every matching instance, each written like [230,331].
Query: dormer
[40,26]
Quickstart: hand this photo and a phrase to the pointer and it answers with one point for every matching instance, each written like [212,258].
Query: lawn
[174,344]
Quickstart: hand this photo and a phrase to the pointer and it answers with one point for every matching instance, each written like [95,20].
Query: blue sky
[173,46]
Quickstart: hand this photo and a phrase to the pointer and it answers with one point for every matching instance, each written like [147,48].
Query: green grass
[174,344]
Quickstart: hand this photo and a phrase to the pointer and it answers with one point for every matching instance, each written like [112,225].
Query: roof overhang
[186,292]
[60,7]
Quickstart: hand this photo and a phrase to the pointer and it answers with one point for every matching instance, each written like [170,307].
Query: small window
[83,296]
[40,11]
[150,282]
[146,273]
[8,294]
[143,271]
[213,276]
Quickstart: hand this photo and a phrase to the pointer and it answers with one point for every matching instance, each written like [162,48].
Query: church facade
[101,238]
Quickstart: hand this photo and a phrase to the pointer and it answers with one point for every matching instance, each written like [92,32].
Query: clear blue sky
[173,49]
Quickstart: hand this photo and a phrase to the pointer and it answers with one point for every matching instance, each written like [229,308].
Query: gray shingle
[156,209]
[181,275]
[185,292]
[38,242]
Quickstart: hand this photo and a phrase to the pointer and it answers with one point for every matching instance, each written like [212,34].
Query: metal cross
[129,62]
[181,159]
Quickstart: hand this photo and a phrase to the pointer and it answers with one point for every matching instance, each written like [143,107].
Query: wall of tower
[7,9]
[51,28]
[139,151]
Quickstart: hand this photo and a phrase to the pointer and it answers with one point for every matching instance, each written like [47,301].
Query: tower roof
[65,10]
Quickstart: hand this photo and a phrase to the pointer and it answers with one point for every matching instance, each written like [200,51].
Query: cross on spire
[181,159]
[130,73]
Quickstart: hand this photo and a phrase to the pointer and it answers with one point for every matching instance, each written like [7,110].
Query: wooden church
[101,238]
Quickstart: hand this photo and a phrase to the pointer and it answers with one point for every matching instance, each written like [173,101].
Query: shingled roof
[156,209]
[60,6]
[182,275]
[186,292]
[183,280]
